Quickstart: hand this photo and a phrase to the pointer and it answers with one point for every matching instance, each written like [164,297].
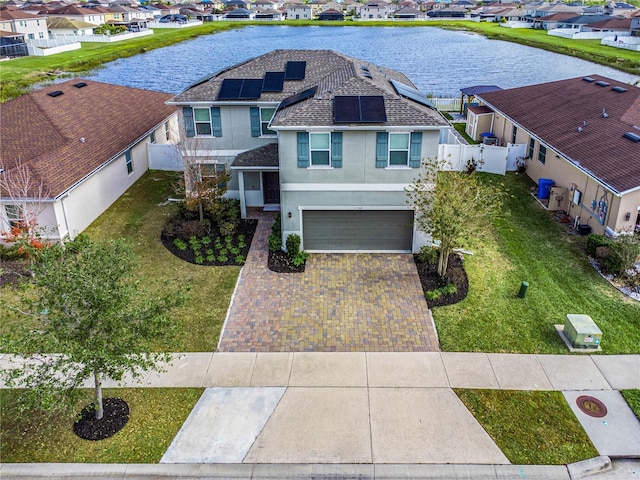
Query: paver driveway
[341,303]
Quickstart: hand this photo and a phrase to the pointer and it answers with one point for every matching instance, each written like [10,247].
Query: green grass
[633,399]
[531,428]
[460,127]
[156,415]
[19,74]
[529,246]
[137,216]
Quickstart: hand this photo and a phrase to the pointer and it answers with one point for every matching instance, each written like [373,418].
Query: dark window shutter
[336,149]
[415,150]
[303,149]
[216,122]
[255,121]
[382,149]
[189,126]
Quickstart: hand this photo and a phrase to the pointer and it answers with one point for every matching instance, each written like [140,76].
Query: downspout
[64,215]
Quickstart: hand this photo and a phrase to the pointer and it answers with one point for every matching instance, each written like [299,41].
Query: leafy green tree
[86,308]
[452,207]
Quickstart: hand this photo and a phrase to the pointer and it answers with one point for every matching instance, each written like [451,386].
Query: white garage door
[368,230]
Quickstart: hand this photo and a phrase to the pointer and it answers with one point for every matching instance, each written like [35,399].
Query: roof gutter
[575,163]
[376,128]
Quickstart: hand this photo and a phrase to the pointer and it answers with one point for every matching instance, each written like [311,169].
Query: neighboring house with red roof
[16,21]
[83,144]
[584,135]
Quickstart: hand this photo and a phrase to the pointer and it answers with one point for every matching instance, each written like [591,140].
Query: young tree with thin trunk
[452,207]
[86,308]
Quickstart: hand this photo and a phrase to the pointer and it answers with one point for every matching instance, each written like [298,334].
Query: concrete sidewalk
[409,370]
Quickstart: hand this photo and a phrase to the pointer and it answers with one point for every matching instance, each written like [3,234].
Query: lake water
[437,61]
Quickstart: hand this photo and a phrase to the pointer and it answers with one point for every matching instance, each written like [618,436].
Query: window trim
[328,150]
[217,170]
[532,147]
[264,126]
[128,160]
[202,122]
[15,219]
[514,134]
[542,154]
[408,151]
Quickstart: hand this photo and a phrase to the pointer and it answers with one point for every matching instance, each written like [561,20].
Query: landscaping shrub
[275,239]
[428,254]
[227,215]
[594,241]
[293,244]
[448,289]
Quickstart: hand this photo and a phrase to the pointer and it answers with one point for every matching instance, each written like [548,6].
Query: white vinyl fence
[101,38]
[489,158]
[164,156]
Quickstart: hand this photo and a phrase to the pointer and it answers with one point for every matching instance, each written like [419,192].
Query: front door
[271,187]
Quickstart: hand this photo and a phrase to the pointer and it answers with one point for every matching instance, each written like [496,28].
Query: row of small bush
[213,251]
[296,256]
[448,289]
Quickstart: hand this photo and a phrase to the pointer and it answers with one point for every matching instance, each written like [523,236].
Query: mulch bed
[246,228]
[116,416]
[430,280]
[13,271]
[279,262]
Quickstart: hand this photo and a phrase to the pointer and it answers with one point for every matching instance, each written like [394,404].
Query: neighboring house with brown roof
[330,140]
[64,26]
[85,143]
[75,12]
[584,135]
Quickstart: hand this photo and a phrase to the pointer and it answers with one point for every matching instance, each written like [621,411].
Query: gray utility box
[582,331]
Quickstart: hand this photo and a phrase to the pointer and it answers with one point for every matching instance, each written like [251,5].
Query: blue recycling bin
[544,187]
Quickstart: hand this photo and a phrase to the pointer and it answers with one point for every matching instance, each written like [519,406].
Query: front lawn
[156,415]
[531,428]
[138,216]
[529,246]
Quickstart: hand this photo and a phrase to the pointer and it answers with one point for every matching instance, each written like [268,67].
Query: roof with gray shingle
[44,133]
[264,156]
[334,74]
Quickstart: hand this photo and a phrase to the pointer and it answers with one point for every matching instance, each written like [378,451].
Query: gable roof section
[44,132]
[553,111]
[333,74]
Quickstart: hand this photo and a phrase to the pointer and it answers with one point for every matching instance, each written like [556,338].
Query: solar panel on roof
[346,109]
[602,84]
[298,97]
[412,94]
[295,70]
[251,89]
[619,89]
[359,109]
[273,82]
[366,74]
[230,89]
[588,79]
[56,93]
[240,89]
[80,84]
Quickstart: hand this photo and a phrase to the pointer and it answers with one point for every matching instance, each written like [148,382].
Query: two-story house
[331,140]
[299,11]
[16,21]
[582,134]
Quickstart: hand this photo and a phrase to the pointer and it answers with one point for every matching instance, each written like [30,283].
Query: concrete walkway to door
[341,303]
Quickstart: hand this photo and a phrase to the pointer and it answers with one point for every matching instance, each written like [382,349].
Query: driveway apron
[341,303]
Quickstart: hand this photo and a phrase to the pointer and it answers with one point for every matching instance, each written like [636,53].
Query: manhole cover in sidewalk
[591,406]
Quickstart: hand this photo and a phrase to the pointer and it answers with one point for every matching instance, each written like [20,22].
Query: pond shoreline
[22,75]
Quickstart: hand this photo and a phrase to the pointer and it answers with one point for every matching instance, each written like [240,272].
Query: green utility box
[582,331]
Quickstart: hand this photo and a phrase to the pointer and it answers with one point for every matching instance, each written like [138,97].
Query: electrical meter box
[582,331]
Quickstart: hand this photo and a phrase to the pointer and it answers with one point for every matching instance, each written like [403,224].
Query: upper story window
[260,119]
[200,121]
[320,149]
[542,154]
[398,149]
[532,144]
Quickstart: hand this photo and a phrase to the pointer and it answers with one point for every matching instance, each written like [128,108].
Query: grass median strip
[531,428]
[156,415]
[633,399]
